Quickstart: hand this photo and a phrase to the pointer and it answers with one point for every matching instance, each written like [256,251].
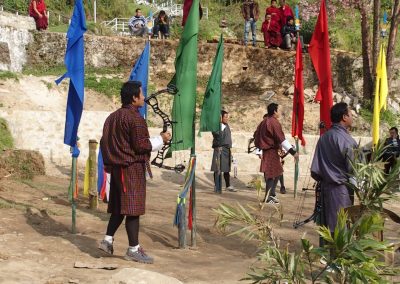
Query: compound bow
[152,101]
[316,215]
[250,146]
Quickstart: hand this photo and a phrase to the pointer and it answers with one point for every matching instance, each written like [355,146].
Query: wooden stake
[93,195]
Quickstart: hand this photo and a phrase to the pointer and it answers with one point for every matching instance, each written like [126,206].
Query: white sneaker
[322,260]
[231,188]
[272,200]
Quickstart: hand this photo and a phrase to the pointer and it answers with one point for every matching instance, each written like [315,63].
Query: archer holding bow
[269,138]
[126,148]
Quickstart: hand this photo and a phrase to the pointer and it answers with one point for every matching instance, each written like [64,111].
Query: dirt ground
[36,245]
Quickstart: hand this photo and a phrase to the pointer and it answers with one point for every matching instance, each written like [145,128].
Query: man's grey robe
[222,144]
[330,166]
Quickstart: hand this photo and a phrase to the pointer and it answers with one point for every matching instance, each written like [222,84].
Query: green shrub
[6,140]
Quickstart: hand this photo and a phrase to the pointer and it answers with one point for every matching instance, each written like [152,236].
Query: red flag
[298,99]
[321,57]
[187,4]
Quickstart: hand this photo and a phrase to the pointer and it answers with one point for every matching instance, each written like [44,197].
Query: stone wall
[251,68]
[15,35]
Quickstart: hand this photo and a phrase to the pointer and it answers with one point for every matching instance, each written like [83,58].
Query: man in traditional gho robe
[222,157]
[331,164]
[269,137]
[126,148]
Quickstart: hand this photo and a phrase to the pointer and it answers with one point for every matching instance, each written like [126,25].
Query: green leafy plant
[352,253]
[370,183]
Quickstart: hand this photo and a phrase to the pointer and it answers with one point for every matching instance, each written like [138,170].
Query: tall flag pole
[75,65]
[321,58]
[140,72]
[298,100]
[381,86]
[184,105]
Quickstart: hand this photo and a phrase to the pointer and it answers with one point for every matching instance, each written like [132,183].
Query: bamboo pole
[92,174]
[71,191]
[193,196]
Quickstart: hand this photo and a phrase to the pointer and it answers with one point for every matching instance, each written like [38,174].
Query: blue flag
[75,65]
[141,73]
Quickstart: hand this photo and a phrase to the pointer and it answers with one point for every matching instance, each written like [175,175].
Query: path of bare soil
[36,245]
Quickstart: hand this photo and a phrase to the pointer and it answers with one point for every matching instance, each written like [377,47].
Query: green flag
[210,119]
[185,79]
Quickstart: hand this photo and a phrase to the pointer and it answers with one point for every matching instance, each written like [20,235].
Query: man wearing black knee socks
[269,138]
[126,148]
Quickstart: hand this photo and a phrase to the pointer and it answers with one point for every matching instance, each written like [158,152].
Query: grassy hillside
[344,30]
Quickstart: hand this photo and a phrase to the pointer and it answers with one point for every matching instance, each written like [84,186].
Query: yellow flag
[86,179]
[384,89]
[381,92]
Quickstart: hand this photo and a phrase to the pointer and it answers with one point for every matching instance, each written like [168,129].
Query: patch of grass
[8,75]
[105,70]
[58,70]
[6,140]
[24,164]
[44,70]
[386,116]
[63,28]
[49,85]
[366,114]
[107,86]
[390,118]
[6,204]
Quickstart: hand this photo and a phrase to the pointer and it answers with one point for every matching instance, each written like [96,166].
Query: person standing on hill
[286,12]
[250,13]
[276,14]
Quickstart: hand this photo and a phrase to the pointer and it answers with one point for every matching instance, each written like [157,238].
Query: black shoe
[283,190]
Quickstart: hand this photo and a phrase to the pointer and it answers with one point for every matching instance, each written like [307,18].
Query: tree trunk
[394,23]
[366,50]
[375,36]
